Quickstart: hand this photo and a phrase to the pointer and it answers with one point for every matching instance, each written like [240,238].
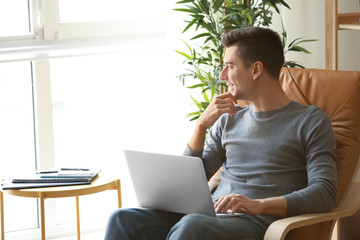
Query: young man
[277,155]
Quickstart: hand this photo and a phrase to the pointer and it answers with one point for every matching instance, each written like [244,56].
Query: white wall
[306,19]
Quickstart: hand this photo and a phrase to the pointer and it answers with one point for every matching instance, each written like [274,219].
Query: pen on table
[75,169]
[49,171]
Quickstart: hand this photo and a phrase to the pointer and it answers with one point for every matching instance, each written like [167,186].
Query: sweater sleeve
[321,193]
[213,154]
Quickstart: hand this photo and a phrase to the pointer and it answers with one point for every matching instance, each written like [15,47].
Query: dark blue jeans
[139,223]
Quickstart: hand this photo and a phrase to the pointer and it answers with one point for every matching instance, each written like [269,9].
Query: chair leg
[77,217]
[2,215]
[42,216]
[119,193]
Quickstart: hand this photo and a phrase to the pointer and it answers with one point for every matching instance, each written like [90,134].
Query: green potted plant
[211,19]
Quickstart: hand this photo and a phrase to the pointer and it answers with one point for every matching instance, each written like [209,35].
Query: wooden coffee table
[99,184]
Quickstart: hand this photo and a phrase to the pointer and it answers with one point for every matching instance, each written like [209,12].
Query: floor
[90,230]
[84,236]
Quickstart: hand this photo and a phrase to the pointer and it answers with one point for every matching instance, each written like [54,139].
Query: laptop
[170,183]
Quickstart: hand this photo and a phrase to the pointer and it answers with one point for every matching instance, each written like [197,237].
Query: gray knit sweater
[284,152]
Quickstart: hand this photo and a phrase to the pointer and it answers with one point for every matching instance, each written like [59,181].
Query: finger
[233,201]
[224,204]
[219,99]
[218,202]
[219,205]
[225,104]
[238,208]
[229,96]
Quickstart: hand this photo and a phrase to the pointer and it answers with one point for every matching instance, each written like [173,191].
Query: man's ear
[257,70]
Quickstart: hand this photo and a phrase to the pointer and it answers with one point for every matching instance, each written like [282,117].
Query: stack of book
[51,178]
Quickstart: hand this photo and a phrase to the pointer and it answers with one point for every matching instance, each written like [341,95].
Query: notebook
[60,176]
[170,183]
[9,186]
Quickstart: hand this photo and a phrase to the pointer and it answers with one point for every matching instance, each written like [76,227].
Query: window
[83,82]
[17,155]
[17,138]
[66,19]
[109,10]
[15,18]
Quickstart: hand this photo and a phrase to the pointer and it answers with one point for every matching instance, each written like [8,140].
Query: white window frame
[55,30]
[34,13]
[51,38]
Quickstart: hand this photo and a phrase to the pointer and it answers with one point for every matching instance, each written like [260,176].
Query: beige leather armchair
[338,94]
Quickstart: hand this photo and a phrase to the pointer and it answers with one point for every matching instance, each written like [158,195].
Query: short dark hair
[257,44]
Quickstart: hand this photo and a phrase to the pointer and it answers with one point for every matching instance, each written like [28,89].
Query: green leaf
[199,75]
[205,89]
[184,10]
[273,4]
[210,38]
[196,86]
[201,35]
[306,40]
[284,3]
[184,54]
[197,103]
[184,1]
[205,104]
[205,97]
[205,6]
[189,25]
[292,64]
[298,49]
[188,47]
[249,18]
[213,91]
[196,9]
[193,114]
[217,5]
[290,45]
[194,55]
[194,118]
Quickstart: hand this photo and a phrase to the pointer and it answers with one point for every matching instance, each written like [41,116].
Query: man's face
[236,75]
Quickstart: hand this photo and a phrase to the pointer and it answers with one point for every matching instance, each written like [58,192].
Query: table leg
[77,217]
[119,192]
[2,215]
[42,216]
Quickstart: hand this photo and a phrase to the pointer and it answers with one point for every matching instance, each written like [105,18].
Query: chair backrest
[337,93]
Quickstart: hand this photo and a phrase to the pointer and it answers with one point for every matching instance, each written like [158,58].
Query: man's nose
[223,74]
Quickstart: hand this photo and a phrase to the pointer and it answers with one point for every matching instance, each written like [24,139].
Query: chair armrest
[349,206]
